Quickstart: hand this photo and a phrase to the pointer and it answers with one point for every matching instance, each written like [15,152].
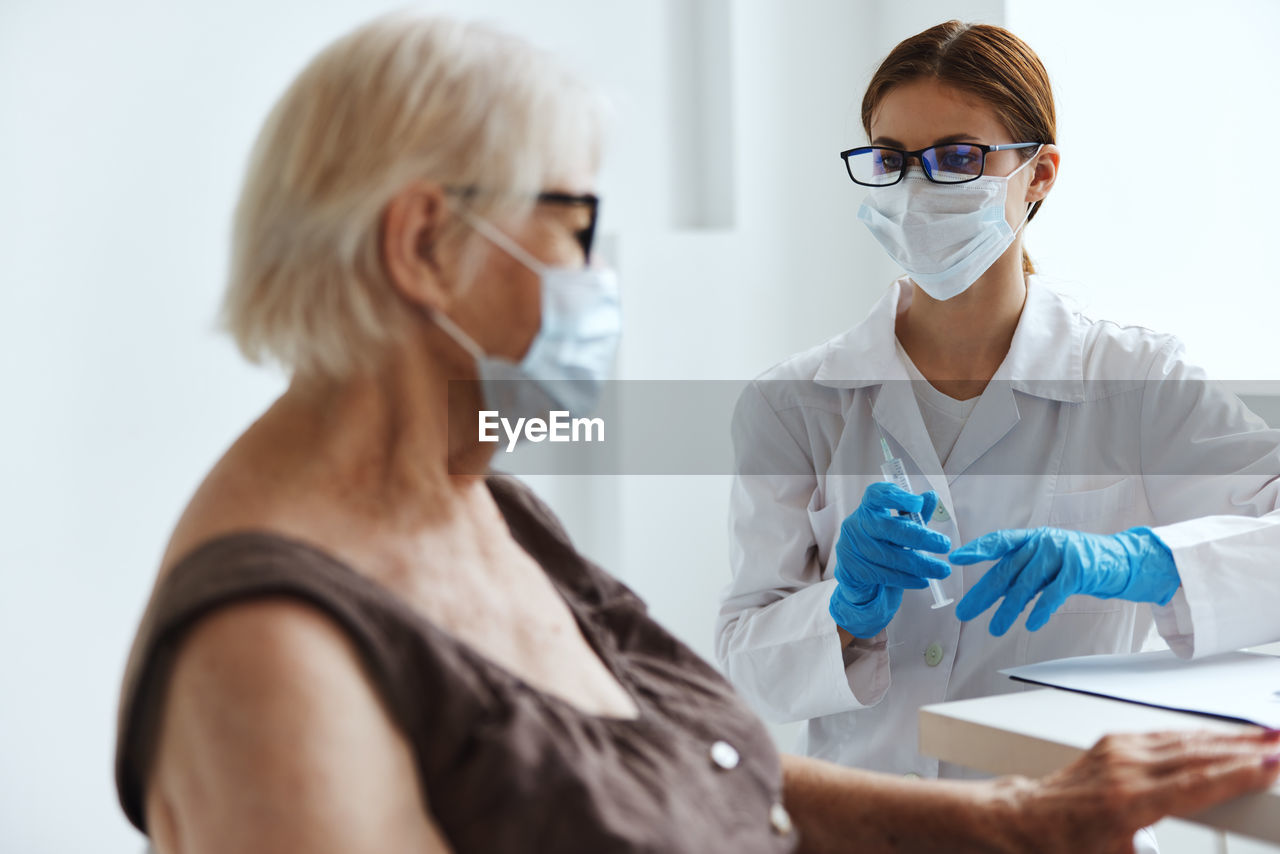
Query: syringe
[896,473]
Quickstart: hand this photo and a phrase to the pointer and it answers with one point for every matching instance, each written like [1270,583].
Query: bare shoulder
[230,498]
[274,739]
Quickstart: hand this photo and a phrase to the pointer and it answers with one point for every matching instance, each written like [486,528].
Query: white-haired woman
[360,642]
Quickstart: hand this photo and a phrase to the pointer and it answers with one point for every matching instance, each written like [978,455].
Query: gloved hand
[875,560]
[1134,565]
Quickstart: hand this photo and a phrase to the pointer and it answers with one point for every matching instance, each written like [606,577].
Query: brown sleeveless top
[505,767]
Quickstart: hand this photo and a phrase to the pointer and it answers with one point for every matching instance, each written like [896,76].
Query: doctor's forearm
[838,809]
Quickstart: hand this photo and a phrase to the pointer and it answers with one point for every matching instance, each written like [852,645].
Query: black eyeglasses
[955,163]
[585,236]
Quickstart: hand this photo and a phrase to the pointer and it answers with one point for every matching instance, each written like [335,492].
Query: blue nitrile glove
[1134,565]
[875,558]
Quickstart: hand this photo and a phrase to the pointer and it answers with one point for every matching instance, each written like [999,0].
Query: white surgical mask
[571,354]
[944,236]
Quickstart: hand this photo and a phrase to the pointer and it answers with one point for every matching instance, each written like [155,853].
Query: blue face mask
[573,350]
[945,237]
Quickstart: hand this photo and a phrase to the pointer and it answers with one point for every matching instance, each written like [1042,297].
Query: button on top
[933,654]
[780,819]
[911,775]
[725,755]
[941,514]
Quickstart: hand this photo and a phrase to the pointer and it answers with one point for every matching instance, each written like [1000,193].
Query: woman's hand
[1095,805]
[879,554]
[1126,782]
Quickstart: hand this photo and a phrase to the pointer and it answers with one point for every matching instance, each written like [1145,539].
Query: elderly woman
[360,642]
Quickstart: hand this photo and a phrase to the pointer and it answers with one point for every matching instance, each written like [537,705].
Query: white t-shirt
[944,416]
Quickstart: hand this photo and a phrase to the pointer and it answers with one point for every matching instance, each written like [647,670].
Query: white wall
[123,131]
[1164,211]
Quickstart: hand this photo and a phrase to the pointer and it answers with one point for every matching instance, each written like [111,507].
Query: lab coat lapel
[867,356]
[1044,361]
[993,417]
[897,412]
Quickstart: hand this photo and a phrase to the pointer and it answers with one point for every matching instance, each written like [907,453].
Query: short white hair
[400,99]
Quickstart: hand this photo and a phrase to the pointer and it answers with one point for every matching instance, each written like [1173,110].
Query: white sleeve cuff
[808,675]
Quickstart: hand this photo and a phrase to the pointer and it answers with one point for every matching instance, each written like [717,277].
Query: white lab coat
[1085,425]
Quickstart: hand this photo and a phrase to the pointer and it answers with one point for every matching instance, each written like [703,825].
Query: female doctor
[1082,461]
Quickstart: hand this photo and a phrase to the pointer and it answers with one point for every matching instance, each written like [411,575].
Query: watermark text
[559,428]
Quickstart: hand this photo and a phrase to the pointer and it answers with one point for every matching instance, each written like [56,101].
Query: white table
[1036,732]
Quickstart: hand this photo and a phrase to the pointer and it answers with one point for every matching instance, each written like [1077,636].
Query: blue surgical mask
[573,351]
[944,236]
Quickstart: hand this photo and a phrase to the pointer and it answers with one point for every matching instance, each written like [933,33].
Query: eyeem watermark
[561,428]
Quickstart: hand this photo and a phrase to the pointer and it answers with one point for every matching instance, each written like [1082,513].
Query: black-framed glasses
[953,163]
[586,235]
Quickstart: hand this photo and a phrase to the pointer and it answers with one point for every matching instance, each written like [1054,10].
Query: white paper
[1240,685]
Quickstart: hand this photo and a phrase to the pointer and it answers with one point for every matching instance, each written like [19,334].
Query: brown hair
[987,62]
